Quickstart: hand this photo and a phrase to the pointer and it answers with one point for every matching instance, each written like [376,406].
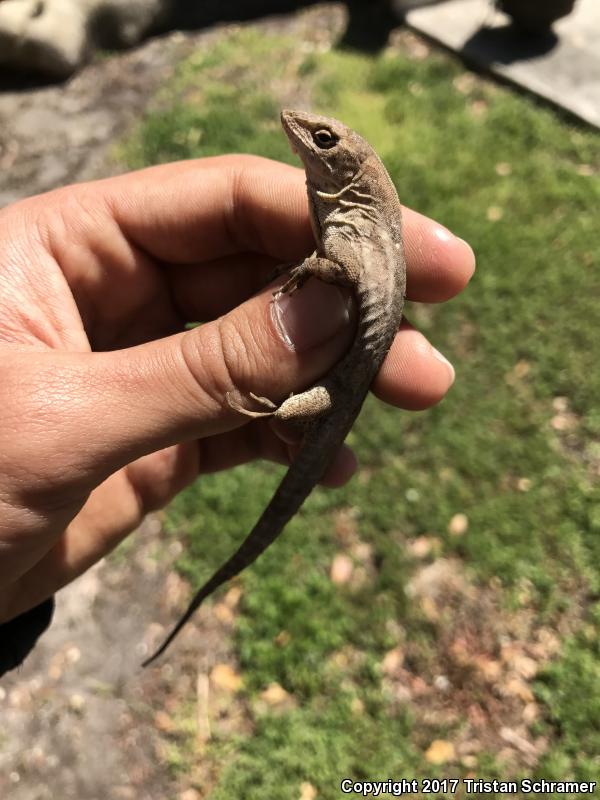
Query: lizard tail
[306,471]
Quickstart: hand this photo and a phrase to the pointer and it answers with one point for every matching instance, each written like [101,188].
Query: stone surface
[562,67]
[80,120]
[57,36]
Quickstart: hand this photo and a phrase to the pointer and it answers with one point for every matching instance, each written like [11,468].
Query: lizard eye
[324,138]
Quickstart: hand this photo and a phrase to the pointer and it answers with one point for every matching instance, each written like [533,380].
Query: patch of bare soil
[477,679]
[472,676]
[81,719]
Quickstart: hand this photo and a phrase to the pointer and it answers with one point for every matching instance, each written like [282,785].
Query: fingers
[219,224]
[86,415]
[201,211]
[414,375]
[271,441]
[126,404]
[193,211]
[118,505]
[439,264]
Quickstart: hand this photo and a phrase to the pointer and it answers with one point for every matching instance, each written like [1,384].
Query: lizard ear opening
[325,139]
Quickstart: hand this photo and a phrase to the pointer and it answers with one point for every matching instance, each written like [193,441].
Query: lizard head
[331,153]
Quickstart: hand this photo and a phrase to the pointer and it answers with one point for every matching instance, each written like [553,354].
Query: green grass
[523,334]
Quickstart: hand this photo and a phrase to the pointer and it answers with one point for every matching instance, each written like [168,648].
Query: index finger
[207,211]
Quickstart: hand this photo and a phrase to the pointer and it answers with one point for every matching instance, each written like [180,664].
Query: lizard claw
[264,401]
[298,277]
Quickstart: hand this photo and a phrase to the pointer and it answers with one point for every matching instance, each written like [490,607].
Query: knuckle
[223,357]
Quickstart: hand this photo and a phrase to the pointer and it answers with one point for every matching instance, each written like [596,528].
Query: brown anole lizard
[356,221]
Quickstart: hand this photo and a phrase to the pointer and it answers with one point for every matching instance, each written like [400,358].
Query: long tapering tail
[321,443]
[306,471]
[276,515]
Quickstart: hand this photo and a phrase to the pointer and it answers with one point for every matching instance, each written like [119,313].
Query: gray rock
[56,36]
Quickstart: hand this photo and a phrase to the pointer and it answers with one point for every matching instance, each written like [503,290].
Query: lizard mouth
[286,118]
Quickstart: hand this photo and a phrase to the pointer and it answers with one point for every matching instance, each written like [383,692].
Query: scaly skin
[356,220]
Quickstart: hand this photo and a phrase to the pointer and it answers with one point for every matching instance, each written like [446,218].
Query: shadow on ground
[507,44]
[368,28]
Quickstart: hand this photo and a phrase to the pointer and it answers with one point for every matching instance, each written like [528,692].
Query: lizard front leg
[306,406]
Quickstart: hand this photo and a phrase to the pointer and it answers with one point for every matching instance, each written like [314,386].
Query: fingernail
[311,315]
[445,361]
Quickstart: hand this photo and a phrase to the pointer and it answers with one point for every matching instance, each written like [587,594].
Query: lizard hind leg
[297,408]
[282,269]
[306,406]
[315,267]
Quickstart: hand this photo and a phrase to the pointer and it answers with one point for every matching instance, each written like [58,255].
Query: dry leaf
[503,168]
[525,666]
[202,701]
[357,706]
[77,702]
[282,638]
[392,661]
[232,598]
[275,694]
[440,751]
[530,713]
[430,609]
[422,546]
[341,569]
[478,108]
[464,83]
[489,668]
[585,169]
[458,525]
[163,722]
[307,791]
[174,592]
[225,677]
[190,794]
[223,613]
[515,739]
[560,403]
[362,551]
[517,688]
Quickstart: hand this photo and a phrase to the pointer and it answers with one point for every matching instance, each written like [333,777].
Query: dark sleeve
[19,636]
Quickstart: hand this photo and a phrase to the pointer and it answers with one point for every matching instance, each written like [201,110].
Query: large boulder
[56,36]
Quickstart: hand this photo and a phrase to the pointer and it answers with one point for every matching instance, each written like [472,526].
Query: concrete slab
[563,67]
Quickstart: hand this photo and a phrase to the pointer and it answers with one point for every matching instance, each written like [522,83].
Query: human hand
[110,407]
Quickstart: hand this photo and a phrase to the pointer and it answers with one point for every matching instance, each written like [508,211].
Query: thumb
[104,410]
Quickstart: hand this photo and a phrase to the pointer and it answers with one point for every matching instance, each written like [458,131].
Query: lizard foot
[278,271]
[315,267]
[263,401]
[298,277]
[297,408]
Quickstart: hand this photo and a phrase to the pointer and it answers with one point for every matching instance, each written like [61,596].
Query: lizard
[355,216]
